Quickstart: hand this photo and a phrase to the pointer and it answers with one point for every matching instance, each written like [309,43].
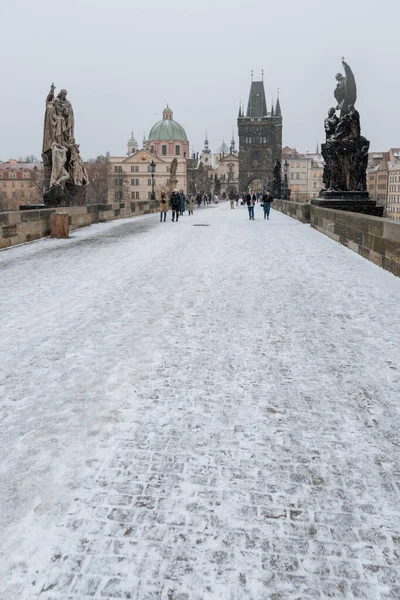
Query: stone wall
[18,227]
[373,237]
[296,210]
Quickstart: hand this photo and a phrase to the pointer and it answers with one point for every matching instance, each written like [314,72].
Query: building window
[136,169]
[149,182]
[177,150]
[137,196]
[164,150]
[13,184]
[132,169]
[152,149]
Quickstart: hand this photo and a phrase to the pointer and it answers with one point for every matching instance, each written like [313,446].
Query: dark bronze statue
[345,151]
[330,123]
[346,90]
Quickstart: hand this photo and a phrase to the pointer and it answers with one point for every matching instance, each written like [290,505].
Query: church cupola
[167,115]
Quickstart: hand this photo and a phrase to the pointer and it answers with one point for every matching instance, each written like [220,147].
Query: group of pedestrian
[178,203]
[252,199]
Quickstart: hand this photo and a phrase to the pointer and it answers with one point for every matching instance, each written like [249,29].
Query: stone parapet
[296,210]
[19,227]
[374,238]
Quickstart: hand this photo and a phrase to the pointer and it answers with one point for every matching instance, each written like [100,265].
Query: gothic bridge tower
[260,140]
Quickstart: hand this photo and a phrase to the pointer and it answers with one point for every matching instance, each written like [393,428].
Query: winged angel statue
[346,90]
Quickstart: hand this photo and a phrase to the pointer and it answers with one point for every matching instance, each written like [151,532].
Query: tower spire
[278,112]
[206,147]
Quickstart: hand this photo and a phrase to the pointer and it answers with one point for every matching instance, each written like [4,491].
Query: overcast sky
[123,60]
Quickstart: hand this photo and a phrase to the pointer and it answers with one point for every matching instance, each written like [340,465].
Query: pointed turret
[240,110]
[257,105]
[278,112]
[206,147]
[232,149]
[272,109]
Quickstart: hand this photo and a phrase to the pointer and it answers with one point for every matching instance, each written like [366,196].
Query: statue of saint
[58,120]
[173,168]
[78,171]
[331,123]
[354,122]
[346,90]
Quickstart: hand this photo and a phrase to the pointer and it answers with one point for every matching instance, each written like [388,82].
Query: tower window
[177,150]
[164,150]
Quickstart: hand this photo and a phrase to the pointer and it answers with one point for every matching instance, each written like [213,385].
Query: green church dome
[167,128]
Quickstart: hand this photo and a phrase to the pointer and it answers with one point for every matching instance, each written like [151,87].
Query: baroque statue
[173,168]
[346,90]
[345,152]
[65,173]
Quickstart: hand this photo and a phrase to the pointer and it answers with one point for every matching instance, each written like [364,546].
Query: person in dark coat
[198,200]
[175,203]
[183,202]
[266,203]
[250,205]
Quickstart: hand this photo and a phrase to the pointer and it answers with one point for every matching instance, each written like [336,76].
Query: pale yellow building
[393,194]
[130,177]
[305,174]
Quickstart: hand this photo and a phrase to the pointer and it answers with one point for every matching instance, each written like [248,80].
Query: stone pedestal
[172,184]
[70,195]
[345,174]
[350,201]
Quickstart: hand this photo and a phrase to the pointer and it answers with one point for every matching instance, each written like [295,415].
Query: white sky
[123,60]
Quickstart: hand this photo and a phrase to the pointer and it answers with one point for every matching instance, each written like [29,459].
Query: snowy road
[198,413]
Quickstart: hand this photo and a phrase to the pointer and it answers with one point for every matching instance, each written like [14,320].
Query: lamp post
[285,179]
[152,170]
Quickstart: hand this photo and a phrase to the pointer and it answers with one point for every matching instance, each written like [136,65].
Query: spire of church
[278,112]
[272,108]
[232,149]
[240,110]
[257,105]
[206,147]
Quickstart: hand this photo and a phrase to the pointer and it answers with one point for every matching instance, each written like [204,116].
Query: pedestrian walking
[198,199]
[216,199]
[250,206]
[205,199]
[163,206]
[183,201]
[232,199]
[237,197]
[266,204]
[175,203]
[190,203]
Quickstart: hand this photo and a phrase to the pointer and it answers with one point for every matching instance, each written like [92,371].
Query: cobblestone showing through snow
[198,413]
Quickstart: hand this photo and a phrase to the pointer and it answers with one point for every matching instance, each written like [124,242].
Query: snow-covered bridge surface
[198,413]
